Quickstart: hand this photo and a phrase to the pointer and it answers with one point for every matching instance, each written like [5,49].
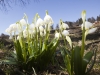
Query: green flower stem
[72,61]
[36,46]
[40,43]
[83,40]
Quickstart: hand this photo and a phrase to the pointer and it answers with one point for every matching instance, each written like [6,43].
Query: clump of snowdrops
[33,49]
[75,59]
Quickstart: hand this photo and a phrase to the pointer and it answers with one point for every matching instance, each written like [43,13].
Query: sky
[67,10]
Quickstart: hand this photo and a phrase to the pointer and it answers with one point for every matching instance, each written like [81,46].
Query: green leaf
[68,64]
[86,60]
[8,62]
[93,62]
[18,51]
[77,61]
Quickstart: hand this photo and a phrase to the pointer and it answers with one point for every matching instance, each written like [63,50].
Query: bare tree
[6,4]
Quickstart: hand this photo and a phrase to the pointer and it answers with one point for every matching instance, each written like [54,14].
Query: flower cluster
[23,28]
[63,32]
[31,41]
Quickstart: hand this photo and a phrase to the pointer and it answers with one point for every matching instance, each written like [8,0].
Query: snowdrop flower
[48,27]
[41,28]
[39,22]
[23,22]
[41,34]
[13,27]
[64,25]
[25,33]
[48,20]
[92,30]
[8,30]
[57,35]
[88,25]
[32,33]
[69,41]
[19,27]
[88,28]
[65,33]
[32,27]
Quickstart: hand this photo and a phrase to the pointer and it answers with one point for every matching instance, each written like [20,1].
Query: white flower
[88,28]
[39,22]
[13,27]
[69,41]
[64,25]
[25,33]
[41,28]
[19,27]
[57,35]
[48,20]
[65,33]
[8,30]
[32,27]
[92,30]
[87,25]
[23,22]
[41,34]
[49,27]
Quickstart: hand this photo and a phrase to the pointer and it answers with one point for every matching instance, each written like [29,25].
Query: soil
[93,40]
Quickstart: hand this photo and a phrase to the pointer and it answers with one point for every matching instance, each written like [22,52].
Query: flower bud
[23,22]
[65,33]
[48,20]
[39,22]
[57,35]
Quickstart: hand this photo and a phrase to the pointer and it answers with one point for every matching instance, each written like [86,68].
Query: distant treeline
[79,21]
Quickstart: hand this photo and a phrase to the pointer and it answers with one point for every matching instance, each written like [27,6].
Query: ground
[93,40]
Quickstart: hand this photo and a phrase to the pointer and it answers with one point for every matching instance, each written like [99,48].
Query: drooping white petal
[8,30]
[13,27]
[61,27]
[32,27]
[69,41]
[41,28]
[25,33]
[48,20]
[65,33]
[39,22]
[23,22]
[87,25]
[57,35]
[92,30]
[64,25]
